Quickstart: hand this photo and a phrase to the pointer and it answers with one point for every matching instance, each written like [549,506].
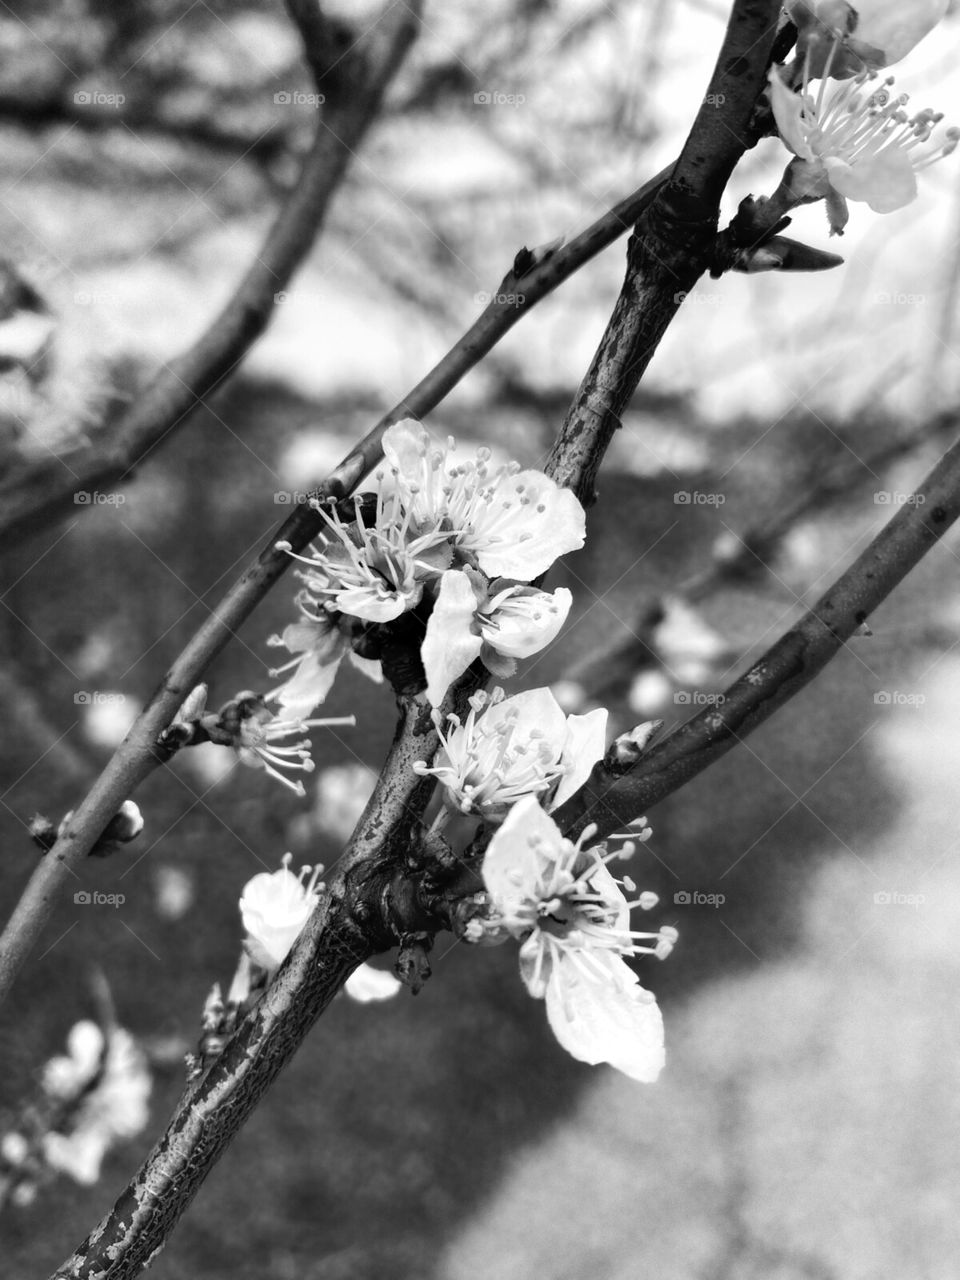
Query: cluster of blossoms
[464,538]
[855,140]
[94,1096]
[457,546]
[511,762]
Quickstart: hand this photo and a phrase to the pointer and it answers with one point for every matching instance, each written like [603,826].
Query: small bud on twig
[624,752]
[413,964]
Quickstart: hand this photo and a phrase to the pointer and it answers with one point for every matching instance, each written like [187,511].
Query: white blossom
[514,523]
[274,907]
[107,1076]
[372,567]
[572,919]
[322,642]
[871,33]
[262,743]
[498,624]
[855,143]
[367,984]
[509,748]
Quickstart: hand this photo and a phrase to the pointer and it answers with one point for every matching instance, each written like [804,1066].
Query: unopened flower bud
[624,752]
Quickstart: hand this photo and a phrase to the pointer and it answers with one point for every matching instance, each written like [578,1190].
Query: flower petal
[373,606]
[585,745]
[523,540]
[895,27]
[787,107]
[536,964]
[450,644]
[309,684]
[511,865]
[886,182]
[367,984]
[403,448]
[521,621]
[370,667]
[615,1022]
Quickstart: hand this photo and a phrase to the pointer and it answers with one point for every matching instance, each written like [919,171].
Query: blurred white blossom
[274,907]
[367,984]
[106,1075]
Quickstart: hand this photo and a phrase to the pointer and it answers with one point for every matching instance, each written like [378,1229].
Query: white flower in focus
[873,33]
[573,921]
[498,626]
[514,523]
[509,748]
[367,984]
[262,744]
[373,567]
[113,1092]
[274,907]
[855,145]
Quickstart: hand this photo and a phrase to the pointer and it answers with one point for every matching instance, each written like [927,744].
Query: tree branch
[344,930]
[137,755]
[786,668]
[353,84]
[671,246]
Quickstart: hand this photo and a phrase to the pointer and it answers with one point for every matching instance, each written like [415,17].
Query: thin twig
[340,934]
[354,84]
[670,247]
[789,665]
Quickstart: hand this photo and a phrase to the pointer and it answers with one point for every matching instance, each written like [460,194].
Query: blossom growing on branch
[262,742]
[510,748]
[855,144]
[572,919]
[870,33]
[498,624]
[433,534]
[274,907]
[322,642]
[104,1083]
[514,523]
